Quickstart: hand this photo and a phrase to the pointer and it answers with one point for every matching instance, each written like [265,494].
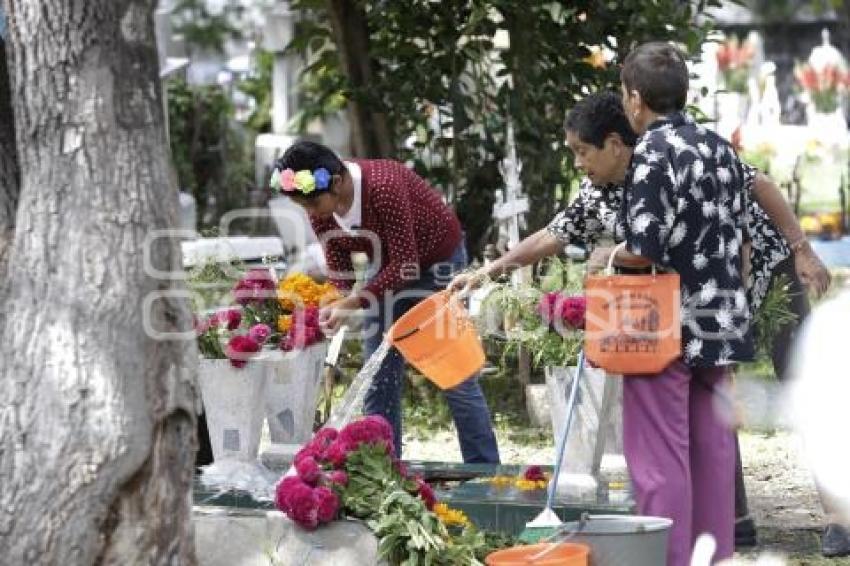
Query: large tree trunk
[9,173]
[96,413]
[370,131]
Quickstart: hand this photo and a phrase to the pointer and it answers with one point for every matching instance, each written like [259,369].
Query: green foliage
[449,91]
[774,313]
[212,155]
[210,283]
[259,87]
[201,28]
[408,533]
[523,324]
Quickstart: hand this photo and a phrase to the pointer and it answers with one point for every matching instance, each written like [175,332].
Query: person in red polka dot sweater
[415,245]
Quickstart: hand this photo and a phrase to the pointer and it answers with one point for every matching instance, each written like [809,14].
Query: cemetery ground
[780,489]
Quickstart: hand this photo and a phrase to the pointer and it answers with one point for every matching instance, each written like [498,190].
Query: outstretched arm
[811,271]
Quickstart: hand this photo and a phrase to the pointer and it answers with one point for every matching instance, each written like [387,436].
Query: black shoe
[745,531]
[835,541]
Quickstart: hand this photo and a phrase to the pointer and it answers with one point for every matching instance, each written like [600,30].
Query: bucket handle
[452,300]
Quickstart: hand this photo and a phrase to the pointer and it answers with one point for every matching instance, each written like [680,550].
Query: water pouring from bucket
[436,337]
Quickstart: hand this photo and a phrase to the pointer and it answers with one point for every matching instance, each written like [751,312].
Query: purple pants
[680,450]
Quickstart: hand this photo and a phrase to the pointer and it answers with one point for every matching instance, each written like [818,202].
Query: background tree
[433,72]
[96,415]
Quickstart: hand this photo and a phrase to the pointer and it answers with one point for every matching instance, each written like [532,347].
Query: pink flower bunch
[255,288]
[240,349]
[569,309]
[304,330]
[321,468]
[306,505]
[260,333]
[534,473]
[228,318]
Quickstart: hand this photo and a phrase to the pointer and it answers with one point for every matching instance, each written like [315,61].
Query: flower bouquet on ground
[353,473]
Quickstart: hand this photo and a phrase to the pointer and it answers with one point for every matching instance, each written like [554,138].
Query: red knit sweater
[415,227]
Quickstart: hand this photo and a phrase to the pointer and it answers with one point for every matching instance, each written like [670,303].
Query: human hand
[811,270]
[468,281]
[598,260]
[334,315]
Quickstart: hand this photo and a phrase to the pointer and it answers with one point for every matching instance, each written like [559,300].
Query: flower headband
[304,182]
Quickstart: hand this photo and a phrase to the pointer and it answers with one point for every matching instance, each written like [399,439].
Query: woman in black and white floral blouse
[603,142]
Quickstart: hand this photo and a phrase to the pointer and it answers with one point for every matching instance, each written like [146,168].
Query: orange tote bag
[633,323]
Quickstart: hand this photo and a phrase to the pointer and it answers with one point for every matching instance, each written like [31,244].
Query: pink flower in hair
[287,180]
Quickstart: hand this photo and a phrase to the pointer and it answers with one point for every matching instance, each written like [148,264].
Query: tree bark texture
[370,130]
[96,413]
[9,173]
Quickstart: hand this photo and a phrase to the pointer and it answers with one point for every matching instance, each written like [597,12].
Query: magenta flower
[230,318]
[285,488]
[534,473]
[256,287]
[426,493]
[373,429]
[260,332]
[240,349]
[337,453]
[303,507]
[338,477]
[327,504]
[308,470]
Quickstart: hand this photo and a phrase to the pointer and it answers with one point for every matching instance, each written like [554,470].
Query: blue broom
[547,522]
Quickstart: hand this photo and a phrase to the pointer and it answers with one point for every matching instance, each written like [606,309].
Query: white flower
[696,192]
[694,348]
[678,234]
[675,140]
[700,262]
[642,222]
[724,175]
[740,300]
[704,149]
[671,174]
[732,248]
[708,209]
[641,173]
[699,169]
[725,354]
[708,291]
[724,318]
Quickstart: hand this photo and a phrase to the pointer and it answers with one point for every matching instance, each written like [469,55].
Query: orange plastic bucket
[437,338]
[566,554]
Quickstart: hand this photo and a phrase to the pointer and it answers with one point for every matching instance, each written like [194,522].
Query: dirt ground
[781,492]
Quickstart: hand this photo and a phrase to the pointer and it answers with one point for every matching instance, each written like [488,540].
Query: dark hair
[310,155]
[657,70]
[596,116]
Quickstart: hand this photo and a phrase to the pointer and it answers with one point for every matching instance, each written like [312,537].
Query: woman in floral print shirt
[603,142]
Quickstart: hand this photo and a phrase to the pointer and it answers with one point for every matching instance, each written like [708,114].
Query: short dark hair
[310,155]
[598,115]
[658,71]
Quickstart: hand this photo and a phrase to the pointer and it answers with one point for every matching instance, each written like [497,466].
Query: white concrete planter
[596,427]
[538,405]
[294,380]
[233,401]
